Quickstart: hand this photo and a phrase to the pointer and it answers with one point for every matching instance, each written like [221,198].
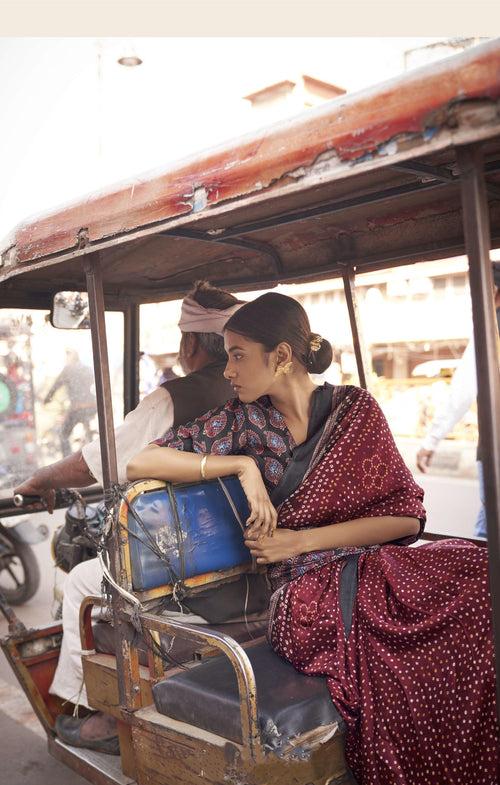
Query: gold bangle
[203,464]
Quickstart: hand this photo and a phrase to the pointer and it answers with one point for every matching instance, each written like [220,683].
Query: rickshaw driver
[200,351]
[204,312]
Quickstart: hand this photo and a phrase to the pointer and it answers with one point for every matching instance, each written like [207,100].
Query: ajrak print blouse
[256,429]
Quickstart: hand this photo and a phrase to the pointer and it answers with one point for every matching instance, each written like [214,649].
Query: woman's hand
[263,517]
[284,544]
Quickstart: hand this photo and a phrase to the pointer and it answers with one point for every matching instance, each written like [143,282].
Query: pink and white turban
[197,319]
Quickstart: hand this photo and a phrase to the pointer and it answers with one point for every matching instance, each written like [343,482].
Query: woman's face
[250,369]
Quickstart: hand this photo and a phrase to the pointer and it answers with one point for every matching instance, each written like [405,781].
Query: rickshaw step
[95,766]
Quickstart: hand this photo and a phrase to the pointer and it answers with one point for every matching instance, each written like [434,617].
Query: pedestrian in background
[461,395]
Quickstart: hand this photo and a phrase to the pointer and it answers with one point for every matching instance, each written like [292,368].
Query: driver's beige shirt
[148,421]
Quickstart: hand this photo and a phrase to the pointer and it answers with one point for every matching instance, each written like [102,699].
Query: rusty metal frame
[415,115]
[131,343]
[85,621]
[10,646]
[238,658]
[444,175]
[101,363]
[435,537]
[368,264]
[239,242]
[127,658]
[357,336]
[477,238]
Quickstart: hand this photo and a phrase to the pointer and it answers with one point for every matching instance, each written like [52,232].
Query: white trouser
[84,580]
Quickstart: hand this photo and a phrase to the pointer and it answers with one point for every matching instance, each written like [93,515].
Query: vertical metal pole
[477,240]
[357,338]
[101,371]
[131,358]
[127,660]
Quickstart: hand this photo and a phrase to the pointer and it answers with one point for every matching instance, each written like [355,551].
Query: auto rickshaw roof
[367,180]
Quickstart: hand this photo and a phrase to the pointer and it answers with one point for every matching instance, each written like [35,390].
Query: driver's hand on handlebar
[263,517]
[31,487]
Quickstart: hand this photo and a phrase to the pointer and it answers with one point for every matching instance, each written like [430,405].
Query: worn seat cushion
[289,703]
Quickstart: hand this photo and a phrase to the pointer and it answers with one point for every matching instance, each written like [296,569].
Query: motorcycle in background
[73,542]
[19,570]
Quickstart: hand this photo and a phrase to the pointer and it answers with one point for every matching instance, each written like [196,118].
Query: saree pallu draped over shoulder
[414,678]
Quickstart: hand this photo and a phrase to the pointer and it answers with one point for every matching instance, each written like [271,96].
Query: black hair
[273,318]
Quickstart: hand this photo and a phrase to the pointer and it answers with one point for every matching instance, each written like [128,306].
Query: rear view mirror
[70,311]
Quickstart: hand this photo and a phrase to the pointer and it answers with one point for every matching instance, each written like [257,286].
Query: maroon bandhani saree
[414,678]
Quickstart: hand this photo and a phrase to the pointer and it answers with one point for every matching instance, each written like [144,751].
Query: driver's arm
[71,472]
[149,420]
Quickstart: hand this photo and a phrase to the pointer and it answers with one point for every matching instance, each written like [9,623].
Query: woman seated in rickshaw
[414,679]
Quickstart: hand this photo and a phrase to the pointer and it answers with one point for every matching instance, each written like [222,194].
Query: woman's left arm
[286,543]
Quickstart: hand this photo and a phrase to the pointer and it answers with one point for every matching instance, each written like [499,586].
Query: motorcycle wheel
[20,578]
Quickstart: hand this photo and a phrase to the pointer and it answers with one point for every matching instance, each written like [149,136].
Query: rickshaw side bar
[357,339]
[477,238]
[127,659]
[131,357]
[435,537]
[239,660]
[102,382]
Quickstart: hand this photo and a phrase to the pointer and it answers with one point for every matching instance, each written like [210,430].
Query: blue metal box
[194,526]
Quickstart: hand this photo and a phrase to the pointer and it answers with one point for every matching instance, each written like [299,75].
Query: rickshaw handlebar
[19,504]
[22,501]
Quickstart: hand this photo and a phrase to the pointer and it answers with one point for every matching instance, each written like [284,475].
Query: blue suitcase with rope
[184,535]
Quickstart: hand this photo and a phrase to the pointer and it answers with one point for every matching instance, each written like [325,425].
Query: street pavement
[24,756]
[451,504]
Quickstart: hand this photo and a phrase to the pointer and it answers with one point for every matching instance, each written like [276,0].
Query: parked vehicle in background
[19,569]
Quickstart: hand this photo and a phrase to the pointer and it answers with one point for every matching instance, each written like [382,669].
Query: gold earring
[283,370]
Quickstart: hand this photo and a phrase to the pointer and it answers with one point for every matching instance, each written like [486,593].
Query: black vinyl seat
[289,703]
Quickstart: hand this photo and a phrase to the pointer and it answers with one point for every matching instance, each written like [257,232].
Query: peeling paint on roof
[346,132]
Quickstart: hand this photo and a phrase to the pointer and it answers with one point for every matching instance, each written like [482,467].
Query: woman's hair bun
[274,317]
[320,354]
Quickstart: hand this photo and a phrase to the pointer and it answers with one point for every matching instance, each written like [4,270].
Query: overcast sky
[74,121]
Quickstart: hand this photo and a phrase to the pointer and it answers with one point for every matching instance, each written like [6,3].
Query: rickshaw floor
[79,759]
